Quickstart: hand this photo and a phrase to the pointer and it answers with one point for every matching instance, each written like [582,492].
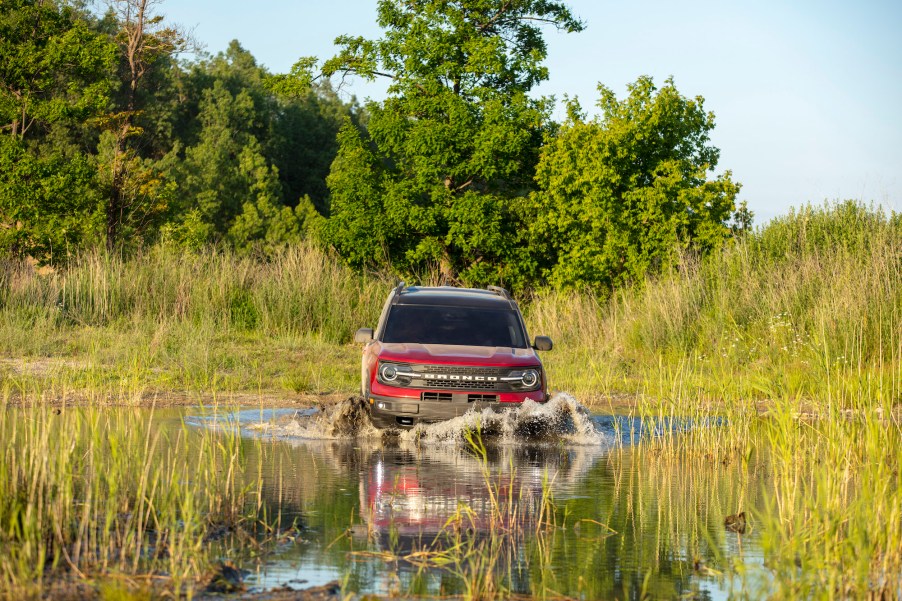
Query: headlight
[530,378]
[389,373]
[396,374]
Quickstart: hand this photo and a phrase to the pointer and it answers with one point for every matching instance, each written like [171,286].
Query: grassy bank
[810,302]
[104,327]
[812,299]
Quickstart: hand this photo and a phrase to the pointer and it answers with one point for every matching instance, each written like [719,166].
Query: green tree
[436,179]
[295,124]
[53,67]
[50,200]
[106,138]
[303,141]
[250,160]
[231,191]
[226,167]
[56,75]
[145,42]
[622,194]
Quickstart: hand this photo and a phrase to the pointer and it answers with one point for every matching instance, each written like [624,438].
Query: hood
[446,354]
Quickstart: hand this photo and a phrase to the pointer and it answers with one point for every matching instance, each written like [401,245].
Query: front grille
[458,384]
[484,398]
[437,396]
[464,371]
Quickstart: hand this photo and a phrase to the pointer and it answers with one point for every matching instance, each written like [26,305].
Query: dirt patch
[39,366]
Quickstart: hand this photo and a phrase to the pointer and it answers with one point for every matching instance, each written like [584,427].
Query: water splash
[561,420]
[345,420]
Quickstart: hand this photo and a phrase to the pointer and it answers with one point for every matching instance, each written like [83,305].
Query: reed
[805,294]
[827,515]
[186,322]
[832,525]
[296,290]
[97,492]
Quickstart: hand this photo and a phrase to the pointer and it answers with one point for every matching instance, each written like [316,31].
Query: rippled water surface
[557,502]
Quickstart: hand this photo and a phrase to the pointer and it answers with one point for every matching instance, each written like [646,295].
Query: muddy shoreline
[614,404]
[163,399]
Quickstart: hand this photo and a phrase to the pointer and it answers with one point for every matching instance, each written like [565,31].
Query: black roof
[451,296]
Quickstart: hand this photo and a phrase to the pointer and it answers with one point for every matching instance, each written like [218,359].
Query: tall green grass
[801,322]
[200,322]
[92,492]
[298,291]
[814,292]
[803,294]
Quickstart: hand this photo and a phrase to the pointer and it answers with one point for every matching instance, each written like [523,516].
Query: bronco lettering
[462,378]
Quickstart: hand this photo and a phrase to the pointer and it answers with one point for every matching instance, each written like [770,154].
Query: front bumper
[388,411]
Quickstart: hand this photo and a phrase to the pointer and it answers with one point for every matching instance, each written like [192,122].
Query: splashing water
[561,420]
[347,419]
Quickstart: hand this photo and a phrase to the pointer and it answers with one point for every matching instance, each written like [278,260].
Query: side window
[380,327]
[522,327]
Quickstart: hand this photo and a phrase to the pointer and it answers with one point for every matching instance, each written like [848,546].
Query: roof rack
[399,288]
[499,291]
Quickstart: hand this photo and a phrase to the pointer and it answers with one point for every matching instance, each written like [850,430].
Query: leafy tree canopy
[106,135]
[472,47]
[253,167]
[621,193]
[50,201]
[434,181]
[56,75]
[53,67]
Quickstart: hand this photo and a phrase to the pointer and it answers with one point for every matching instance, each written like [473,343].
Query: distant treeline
[109,139]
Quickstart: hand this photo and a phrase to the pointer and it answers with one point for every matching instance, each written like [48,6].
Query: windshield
[469,326]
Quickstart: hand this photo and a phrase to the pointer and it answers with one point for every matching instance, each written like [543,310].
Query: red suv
[438,352]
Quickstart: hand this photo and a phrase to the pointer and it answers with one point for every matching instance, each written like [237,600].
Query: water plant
[100,490]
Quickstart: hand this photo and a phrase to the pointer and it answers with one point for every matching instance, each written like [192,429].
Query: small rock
[735,523]
[226,579]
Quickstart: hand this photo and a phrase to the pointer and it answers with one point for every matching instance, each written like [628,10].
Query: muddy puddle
[547,501]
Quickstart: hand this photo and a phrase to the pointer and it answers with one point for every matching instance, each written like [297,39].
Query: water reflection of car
[438,352]
[419,493]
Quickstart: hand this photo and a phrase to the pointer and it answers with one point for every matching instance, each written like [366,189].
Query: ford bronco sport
[438,352]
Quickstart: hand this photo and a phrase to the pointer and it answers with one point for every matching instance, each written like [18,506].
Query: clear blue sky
[807,94]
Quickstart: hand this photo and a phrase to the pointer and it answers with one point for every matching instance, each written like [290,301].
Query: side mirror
[363,335]
[543,343]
